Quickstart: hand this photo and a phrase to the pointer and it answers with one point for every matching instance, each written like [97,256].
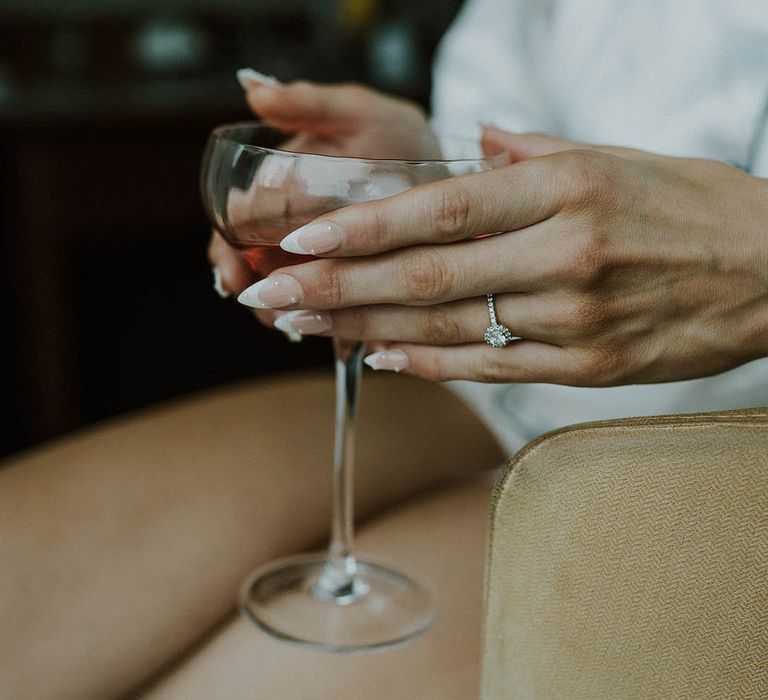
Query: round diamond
[498,336]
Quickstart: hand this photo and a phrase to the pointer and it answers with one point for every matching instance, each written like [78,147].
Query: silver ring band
[496,335]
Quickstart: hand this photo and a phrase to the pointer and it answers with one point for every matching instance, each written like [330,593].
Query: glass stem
[339,581]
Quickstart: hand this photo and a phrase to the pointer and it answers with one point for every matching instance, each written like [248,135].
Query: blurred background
[105,106]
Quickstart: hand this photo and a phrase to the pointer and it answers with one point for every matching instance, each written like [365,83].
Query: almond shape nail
[392,360]
[291,333]
[313,239]
[273,292]
[303,322]
[248,78]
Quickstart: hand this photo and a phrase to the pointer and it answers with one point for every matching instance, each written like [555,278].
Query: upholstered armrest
[629,559]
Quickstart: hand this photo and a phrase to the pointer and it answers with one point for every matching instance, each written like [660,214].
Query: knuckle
[451,212]
[587,369]
[614,361]
[430,364]
[590,178]
[376,227]
[492,371]
[329,284]
[435,370]
[425,276]
[584,318]
[600,367]
[442,327]
[582,261]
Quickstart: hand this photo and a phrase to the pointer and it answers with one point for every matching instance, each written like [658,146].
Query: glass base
[381,608]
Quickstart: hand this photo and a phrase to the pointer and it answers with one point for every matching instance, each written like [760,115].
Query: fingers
[234,275]
[450,210]
[332,111]
[326,110]
[524,146]
[422,275]
[520,361]
[534,317]
[521,147]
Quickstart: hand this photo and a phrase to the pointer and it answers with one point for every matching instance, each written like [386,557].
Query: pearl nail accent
[303,322]
[392,360]
[315,238]
[273,292]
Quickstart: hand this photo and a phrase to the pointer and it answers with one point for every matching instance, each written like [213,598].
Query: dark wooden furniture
[109,301]
[105,290]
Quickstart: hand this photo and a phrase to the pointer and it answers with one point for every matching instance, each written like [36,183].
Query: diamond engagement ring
[496,335]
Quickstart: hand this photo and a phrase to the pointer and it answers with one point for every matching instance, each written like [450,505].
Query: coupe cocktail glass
[258,185]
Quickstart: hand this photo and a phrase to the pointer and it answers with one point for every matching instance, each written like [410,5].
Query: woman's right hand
[346,119]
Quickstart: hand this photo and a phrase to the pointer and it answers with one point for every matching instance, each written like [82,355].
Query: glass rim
[220,132]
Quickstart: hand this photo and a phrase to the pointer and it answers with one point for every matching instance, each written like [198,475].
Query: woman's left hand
[613,266]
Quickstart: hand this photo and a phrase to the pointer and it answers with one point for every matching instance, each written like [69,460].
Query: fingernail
[248,78]
[291,333]
[393,360]
[313,239]
[303,322]
[273,292]
[217,284]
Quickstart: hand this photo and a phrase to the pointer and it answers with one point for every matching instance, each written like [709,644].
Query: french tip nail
[392,360]
[293,336]
[247,299]
[273,292]
[290,244]
[247,77]
[283,323]
[218,285]
[315,238]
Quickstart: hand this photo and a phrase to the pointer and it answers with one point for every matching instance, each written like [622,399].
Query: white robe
[679,77]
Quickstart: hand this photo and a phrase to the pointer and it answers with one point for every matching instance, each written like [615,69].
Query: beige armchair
[629,559]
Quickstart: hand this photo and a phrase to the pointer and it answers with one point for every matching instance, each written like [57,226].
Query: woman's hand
[614,266]
[346,119]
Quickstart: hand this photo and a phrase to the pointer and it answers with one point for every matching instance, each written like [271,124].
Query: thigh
[135,534]
[441,536]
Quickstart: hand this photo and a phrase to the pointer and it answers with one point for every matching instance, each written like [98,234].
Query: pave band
[496,335]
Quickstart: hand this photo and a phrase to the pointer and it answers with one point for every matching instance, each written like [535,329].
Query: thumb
[523,146]
[533,145]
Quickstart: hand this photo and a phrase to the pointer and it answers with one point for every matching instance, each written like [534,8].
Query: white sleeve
[760,162]
[488,68]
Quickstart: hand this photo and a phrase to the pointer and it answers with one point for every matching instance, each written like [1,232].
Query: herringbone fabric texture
[629,559]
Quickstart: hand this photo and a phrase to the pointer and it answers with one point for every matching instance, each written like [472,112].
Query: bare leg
[441,535]
[122,545]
